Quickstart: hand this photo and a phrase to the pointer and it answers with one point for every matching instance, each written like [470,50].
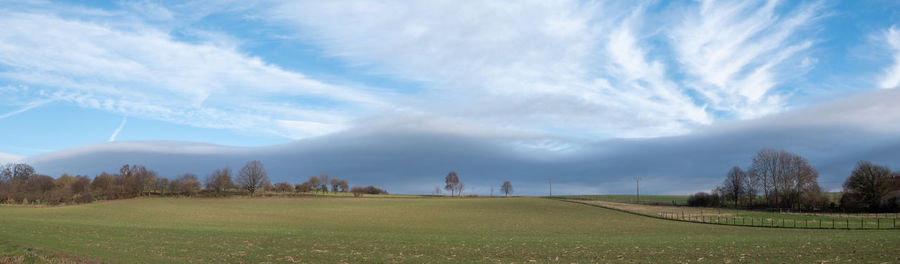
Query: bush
[704,199]
[359,191]
[85,197]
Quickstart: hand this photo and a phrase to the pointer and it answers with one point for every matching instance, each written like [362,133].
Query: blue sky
[548,79]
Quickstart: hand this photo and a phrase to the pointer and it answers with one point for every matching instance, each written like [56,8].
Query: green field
[756,218]
[415,230]
[630,198]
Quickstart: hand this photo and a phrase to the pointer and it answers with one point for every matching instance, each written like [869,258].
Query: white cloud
[530,65]
[133,69]
[891,77]
[570,68]
[734,47]
[7,158]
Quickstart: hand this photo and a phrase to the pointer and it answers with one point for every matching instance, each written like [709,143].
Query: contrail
[116,133]
[27,107]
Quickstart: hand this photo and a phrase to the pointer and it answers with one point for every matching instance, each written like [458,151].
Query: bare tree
[219,180]
[734,184]
[253,176]
[783,176]
[335,184]
[506,188]
[284,187]
[437,190]
[325,181]
[344,186]
[867,184]
[452,182]
[303,187]
[314,183]
[16,173]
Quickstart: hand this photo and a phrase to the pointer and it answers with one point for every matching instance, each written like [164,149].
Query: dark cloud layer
[832,136]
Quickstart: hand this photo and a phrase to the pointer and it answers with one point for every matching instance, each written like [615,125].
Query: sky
[558,82]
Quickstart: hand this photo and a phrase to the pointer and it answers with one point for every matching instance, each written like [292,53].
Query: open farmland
[164,230]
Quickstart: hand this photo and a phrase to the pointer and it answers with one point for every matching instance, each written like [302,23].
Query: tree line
[19,183]
[783,180]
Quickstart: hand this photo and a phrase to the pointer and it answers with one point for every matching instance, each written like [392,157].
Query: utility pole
[492,190]
[637,180]
[551,186]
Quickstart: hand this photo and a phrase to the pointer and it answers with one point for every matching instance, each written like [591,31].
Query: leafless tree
[284,187]
[735,184]
[783,176]
[219,180]
[868,183]
[303,187]
[344,187]
[325,179]
[253,176]
[16,173]
[452,182]
[314,183]
[506,188]
[335,184]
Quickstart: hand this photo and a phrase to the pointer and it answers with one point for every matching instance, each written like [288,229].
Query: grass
[10,253]
[759,218]
[415,230]
[630,198]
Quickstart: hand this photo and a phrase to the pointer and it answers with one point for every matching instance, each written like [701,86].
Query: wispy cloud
[891,76]
[733,49]
[118,129]
[131,68]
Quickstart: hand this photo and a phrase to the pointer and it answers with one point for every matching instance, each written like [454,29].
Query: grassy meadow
[413,230]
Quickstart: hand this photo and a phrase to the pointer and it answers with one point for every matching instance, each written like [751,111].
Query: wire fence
[848,223]
[806,220]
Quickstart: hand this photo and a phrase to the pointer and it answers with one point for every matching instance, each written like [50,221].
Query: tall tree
[16,173]
[325,179]
[506,188]
[783,176]
[314,183]
[253,176]
[452,182]
[219,180]
[735,184]
[868,183]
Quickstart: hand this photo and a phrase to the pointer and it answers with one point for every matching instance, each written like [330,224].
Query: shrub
[704,199]
[359,191]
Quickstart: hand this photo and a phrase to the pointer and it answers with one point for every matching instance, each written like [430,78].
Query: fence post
[848,222]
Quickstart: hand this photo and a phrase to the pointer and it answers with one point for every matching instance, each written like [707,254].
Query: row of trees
[20,184]
[784,180]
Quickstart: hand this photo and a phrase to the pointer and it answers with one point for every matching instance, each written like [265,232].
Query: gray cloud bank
[404,159]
